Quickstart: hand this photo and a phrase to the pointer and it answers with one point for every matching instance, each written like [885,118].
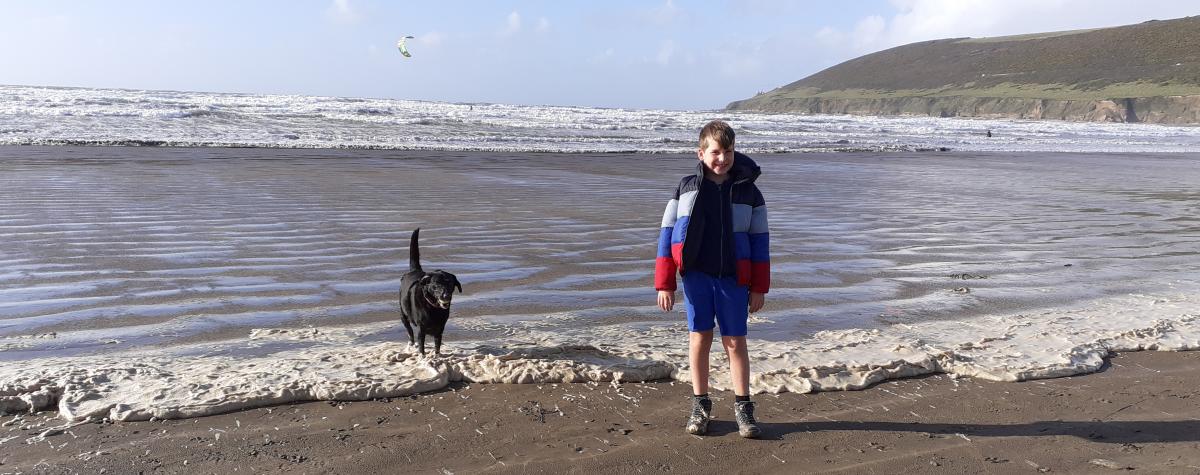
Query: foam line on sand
[270,367]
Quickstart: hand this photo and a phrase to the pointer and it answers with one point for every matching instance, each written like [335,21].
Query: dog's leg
[437,344]
[405,316]
[408,326]
[421,340]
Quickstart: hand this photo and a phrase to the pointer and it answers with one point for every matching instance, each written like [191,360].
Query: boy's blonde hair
[718,131]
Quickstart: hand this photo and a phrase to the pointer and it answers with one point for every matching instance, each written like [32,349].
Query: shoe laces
[745,413]
[698,409]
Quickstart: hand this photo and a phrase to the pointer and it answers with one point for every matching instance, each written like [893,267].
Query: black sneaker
[743,411]
[697,423]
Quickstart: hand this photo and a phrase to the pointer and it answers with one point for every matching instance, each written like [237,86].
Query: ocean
[79,116]
[239,251]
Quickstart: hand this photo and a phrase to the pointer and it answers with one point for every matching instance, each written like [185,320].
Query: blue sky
[676,54]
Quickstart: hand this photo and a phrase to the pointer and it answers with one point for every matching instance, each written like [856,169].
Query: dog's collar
[427,300]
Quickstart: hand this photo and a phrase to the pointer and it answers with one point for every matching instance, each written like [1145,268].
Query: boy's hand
[756,301]
[666,300]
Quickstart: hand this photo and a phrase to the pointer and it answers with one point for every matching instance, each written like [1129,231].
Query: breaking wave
[56,116]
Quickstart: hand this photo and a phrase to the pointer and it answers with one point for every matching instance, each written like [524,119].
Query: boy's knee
[734,342]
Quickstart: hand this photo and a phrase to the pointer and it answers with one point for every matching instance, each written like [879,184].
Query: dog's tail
[414,254]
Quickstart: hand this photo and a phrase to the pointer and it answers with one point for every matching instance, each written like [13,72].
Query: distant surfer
[989,133]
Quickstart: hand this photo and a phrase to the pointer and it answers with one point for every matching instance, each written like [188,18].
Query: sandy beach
[242,301]
[370,237]
[1138,414]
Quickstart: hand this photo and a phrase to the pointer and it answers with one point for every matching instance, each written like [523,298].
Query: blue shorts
[707,297]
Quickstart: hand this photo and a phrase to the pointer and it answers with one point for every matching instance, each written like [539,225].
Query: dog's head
[438,287]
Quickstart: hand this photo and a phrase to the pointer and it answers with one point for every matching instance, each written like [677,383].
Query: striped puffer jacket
[749,221]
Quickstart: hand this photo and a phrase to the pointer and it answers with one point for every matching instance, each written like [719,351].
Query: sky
[669,54]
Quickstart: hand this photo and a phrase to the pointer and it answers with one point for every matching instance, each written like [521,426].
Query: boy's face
[717,160]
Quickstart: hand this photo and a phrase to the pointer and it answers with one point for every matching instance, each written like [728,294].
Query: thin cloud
[603,56]
[739,59]
[663,15]
[513,24]
[433,38]
[342,12]
[922,20]
[869,33]
[666,51]
[830,36]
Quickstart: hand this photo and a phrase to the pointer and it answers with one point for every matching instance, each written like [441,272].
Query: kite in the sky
[402,48]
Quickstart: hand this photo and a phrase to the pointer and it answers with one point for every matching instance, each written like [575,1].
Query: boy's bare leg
[739,363]
[739,368]
[699,347]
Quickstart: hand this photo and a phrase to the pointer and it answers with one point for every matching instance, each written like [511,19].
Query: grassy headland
[1110,70]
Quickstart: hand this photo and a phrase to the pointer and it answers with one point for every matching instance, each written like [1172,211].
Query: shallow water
[188,243]
[175,251]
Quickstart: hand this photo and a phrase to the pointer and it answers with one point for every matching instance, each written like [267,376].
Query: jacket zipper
[730,201]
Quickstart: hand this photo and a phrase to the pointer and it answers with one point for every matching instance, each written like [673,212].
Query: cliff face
[1155,110]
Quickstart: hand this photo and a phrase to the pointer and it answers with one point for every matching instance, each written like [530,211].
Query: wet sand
[1140,413]
[113,249]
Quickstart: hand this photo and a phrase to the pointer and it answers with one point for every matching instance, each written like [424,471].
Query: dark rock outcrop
[1155,110]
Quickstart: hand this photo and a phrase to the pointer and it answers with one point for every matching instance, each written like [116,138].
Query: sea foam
[275,366]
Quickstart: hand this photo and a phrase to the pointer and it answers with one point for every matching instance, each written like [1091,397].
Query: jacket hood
[744,170]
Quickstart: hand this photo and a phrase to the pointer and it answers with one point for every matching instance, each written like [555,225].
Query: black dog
[425,299]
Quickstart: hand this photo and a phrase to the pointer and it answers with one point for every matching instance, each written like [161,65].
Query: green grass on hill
[1149,59]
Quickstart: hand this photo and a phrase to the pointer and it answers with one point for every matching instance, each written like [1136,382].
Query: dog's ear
[456,284]
[425,280]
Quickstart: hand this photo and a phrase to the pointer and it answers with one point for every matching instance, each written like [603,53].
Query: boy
[714,232]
